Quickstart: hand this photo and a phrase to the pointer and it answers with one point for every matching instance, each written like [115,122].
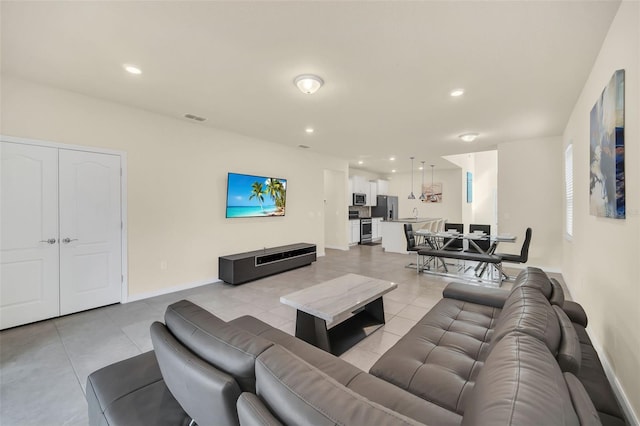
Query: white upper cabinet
[383,187]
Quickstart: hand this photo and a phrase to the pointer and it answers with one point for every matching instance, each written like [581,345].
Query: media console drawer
[243,267]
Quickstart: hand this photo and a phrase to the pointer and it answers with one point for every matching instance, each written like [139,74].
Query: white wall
[601,262]
[177,181]
[530,196]
[485,189]
[450,208]
[484,168]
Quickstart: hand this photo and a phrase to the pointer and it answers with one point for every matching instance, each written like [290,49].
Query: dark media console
[243,267]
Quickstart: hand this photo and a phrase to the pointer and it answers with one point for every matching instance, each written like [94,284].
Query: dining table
[442,239]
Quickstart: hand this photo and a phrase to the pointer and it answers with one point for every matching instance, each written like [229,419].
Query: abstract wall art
[606,186]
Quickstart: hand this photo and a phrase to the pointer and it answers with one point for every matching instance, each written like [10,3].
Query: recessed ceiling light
[393,171]
[309,130]
[308,83]
[420,168]
[131,69]
[360,162]
[392,158]
[468,137]
[457,92]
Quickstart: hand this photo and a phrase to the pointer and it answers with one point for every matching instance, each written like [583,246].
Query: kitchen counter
[413,219]
[393,239]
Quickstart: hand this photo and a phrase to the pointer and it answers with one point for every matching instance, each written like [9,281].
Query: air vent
[194,117]
[304,146]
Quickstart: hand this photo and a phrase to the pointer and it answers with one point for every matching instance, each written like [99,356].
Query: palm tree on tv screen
[256,192]
[276,190]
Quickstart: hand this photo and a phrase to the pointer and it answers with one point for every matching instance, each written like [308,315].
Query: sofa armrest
[252,412]
[575,312]
[494,297]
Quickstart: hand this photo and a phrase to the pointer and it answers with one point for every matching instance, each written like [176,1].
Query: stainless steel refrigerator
[387,207]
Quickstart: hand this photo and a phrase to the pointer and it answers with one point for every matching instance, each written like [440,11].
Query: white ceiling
[388,67]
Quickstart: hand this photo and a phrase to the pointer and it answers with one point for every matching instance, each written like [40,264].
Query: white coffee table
[337,314]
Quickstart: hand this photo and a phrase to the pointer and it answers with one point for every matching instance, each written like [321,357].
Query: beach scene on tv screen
[251,196]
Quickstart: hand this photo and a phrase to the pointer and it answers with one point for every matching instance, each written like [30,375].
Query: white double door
[60,236]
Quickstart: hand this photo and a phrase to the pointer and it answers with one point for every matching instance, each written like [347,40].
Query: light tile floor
[44,366]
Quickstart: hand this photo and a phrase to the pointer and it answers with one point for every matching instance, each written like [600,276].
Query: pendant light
[411,196]
[422,197]
[433,196]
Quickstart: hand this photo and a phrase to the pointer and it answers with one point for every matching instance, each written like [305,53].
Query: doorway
[61,231]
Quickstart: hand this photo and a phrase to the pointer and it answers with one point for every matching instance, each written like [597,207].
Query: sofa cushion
[367,385]
[439,358]
[300,394]
[206,393]
[337,368]
[224,345]
[557,294]
[569,353]
[520,384]
[132,391]
[575,312]
[534,278]
[528,311]
[595,381]
[585,410]
[252,412]
[488,296]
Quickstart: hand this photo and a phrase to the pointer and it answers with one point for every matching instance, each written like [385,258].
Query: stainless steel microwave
[359,199]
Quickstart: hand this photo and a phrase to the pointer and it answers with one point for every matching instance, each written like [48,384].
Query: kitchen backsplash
[362,211]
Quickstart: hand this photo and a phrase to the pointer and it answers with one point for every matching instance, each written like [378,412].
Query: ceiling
[388,67]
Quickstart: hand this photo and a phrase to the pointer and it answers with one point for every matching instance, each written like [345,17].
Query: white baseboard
[621,396]
[338,247]
[187,286]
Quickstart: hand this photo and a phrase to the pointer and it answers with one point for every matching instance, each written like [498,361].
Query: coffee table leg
[376,309]
[312,330]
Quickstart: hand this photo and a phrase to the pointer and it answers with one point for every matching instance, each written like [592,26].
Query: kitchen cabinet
[354,234]
[382,187]
[372,195]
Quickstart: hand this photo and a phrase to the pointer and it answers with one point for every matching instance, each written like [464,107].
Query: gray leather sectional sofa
[480,356]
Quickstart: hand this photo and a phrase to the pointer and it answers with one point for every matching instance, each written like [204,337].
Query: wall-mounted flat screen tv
[255,196]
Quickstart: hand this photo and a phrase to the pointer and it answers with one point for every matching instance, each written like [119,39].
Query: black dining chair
[524,251]
[412,246]
[456,243]
[485,244]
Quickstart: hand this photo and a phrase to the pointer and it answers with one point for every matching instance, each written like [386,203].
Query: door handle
[50,241]
[68,240]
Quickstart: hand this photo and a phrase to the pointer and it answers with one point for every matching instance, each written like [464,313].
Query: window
[568,189]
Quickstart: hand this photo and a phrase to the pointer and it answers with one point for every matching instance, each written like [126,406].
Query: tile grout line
[66,352]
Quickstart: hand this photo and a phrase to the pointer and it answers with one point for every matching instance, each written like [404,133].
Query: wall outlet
[163,265]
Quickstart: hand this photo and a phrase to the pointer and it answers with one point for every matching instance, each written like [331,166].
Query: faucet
[415,212]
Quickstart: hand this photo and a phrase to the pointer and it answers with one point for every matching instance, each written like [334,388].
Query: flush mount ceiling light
[411,196]
[132,69]
[468,137]
[308,83]
[457,92]
[309,130]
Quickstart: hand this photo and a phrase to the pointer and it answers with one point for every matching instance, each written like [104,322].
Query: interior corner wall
[485,189]
[177,174]
[601,261]
[451,205]
[530,190]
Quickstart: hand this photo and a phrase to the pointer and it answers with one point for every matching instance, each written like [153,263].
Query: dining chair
[485,244]
[456,244]
[412,246]
[523,257]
